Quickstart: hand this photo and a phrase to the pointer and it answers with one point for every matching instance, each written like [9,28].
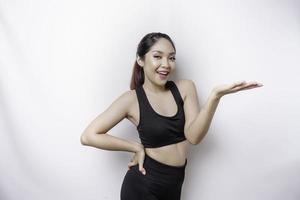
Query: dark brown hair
[143,47]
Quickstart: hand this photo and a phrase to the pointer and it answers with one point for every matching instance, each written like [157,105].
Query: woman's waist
[173,155]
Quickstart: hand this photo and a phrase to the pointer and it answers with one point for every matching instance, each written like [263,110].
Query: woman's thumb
[130,164]
[142,169]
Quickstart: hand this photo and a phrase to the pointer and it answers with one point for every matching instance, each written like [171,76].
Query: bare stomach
[173,154]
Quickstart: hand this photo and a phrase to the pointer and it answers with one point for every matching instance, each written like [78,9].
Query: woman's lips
[162,76]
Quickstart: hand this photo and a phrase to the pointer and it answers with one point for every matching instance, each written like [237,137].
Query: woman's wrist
[215,95]
[138,147]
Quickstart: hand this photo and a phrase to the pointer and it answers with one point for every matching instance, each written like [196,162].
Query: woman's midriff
[173,154]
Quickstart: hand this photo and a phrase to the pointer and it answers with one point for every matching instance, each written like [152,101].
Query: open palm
[224,89]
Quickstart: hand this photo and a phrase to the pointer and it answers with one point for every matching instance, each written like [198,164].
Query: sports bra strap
[141,97]
[175,92]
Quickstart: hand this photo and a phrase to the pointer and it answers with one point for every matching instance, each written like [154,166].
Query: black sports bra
[157,130]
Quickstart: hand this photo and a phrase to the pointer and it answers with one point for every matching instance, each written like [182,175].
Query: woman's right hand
[138,158]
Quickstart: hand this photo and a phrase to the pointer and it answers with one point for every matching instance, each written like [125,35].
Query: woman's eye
[172,58]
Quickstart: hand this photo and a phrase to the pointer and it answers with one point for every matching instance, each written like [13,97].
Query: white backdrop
[63,62]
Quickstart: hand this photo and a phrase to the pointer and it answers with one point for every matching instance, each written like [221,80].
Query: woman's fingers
[234,87]
[246,86]
[138,158]
[238,84]
[142,169]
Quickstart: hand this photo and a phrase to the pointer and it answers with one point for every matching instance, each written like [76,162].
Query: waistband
[152,163]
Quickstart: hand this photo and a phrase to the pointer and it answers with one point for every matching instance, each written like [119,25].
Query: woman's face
[159,62]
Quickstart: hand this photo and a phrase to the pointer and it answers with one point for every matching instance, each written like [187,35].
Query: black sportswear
[156,130]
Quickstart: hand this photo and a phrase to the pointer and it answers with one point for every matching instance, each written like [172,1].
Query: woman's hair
[144,46]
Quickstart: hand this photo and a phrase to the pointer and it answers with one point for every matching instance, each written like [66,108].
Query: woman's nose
[165,62]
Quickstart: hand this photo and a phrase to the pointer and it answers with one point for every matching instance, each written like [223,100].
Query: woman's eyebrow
[163,52]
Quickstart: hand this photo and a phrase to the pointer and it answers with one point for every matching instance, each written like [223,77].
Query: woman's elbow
[84,138]
[192,142]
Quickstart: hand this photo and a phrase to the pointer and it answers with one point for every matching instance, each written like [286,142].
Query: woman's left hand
[222,90]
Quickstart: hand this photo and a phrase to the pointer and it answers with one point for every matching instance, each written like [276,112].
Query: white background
[63,62]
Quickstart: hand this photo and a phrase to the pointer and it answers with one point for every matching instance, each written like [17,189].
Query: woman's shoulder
[128,95]
[184,86]
[183,82]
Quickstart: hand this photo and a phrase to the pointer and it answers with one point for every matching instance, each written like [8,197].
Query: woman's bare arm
[96,133]
[198,123]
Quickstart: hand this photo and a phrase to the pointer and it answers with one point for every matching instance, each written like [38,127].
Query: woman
[168,119]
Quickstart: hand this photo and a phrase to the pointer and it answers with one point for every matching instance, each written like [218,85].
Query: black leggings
[161,182]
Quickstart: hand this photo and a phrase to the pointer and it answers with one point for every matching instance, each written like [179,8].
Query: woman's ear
[140,61]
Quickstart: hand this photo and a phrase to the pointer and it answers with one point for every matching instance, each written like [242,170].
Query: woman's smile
[163,74]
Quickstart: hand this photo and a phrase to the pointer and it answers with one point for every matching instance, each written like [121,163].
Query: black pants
[161,182]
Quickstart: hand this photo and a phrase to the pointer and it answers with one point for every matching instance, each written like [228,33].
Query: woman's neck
[154,88]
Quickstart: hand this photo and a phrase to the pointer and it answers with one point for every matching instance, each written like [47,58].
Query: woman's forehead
[163,52]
